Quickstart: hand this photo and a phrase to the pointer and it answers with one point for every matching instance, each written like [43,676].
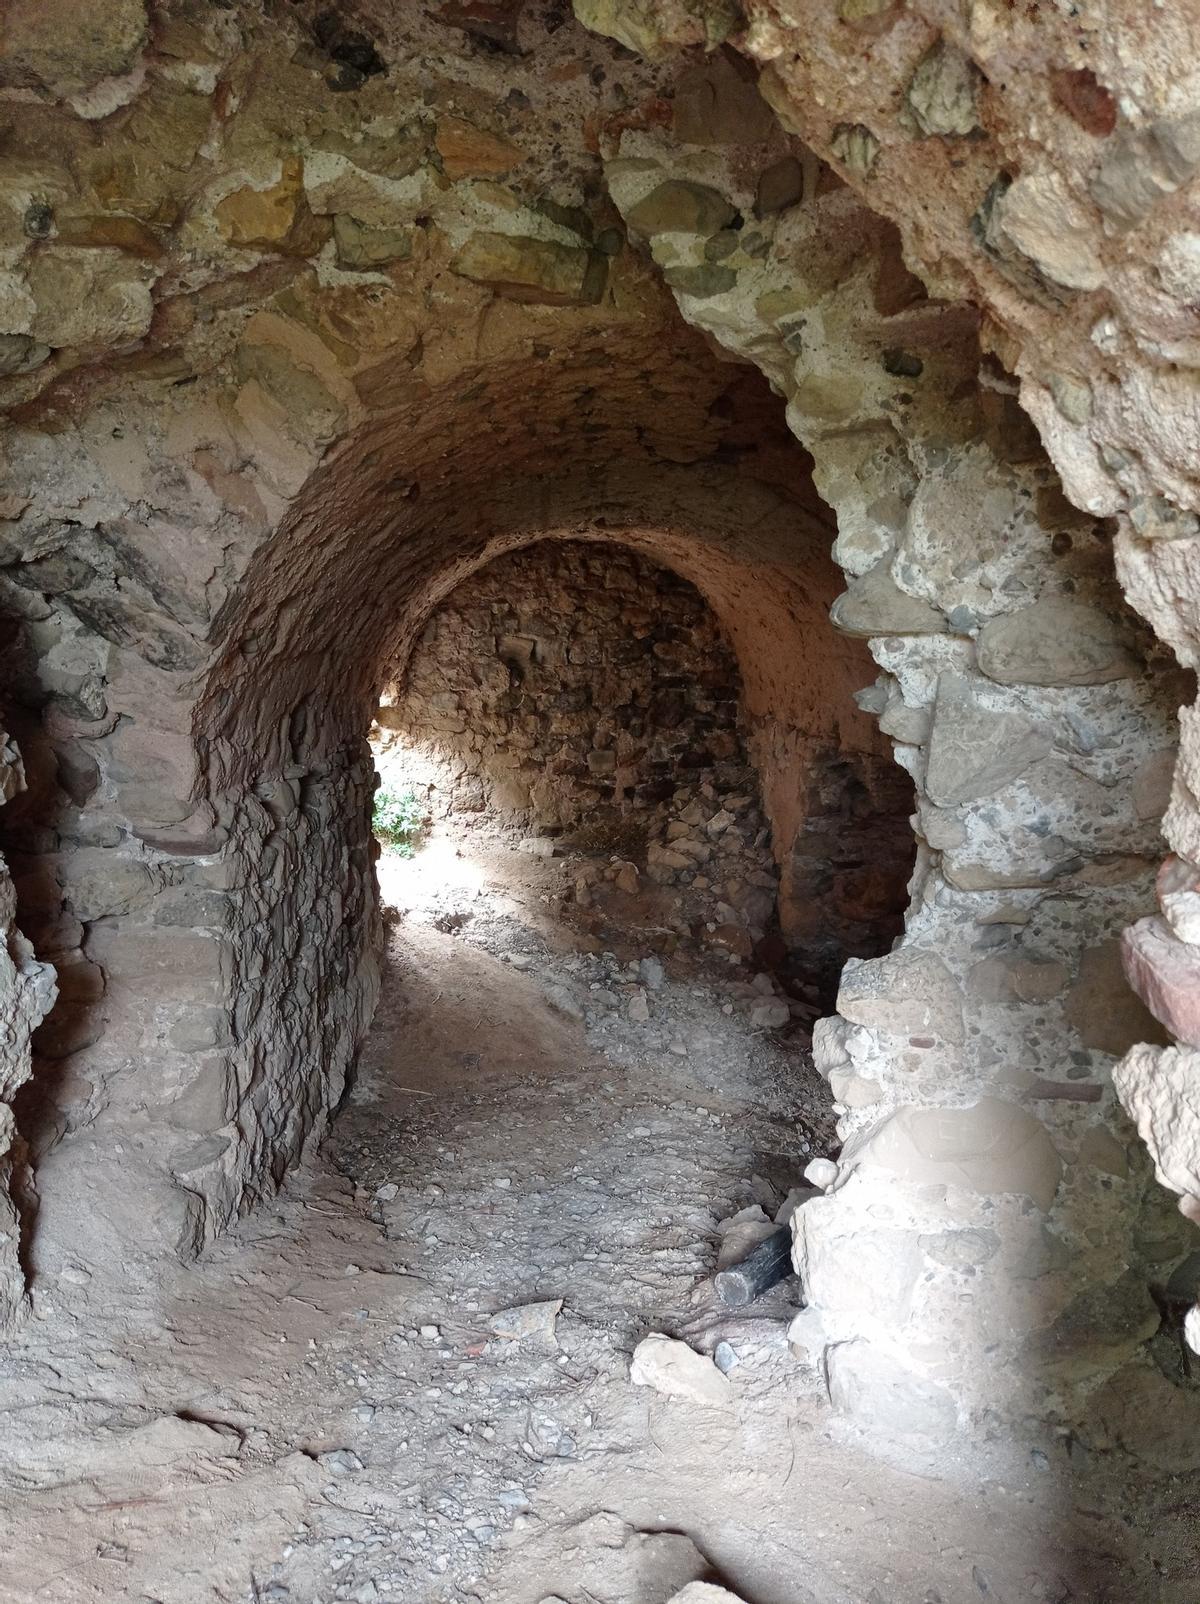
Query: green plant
[398,819]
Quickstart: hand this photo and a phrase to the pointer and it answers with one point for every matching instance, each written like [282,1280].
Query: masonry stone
[1053,642]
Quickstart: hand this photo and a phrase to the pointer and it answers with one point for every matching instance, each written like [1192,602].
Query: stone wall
[269,334]
[1042,167]
[27,990]
[988,1201]
[581,685]
[568,684]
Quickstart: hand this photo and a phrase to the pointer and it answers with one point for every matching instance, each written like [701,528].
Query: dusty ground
[327,1409]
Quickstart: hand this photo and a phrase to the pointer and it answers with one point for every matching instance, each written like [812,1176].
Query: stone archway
[282,728]
[270,364]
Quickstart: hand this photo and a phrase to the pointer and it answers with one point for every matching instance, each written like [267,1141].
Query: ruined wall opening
[386,528]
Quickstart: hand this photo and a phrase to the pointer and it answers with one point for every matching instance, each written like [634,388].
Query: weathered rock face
[1044,169]
[295,337]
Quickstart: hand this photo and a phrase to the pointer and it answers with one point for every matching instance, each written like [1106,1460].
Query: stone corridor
[409,1376]
[736,464]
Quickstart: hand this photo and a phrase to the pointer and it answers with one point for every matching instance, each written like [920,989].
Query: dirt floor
[408,1377]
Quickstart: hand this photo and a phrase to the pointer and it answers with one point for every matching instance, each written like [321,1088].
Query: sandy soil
[333,1405]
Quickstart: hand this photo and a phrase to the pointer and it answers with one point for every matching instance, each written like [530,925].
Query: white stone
[677,1371]
[1044,222]
[1191,1328]
[822,1172]
[536,1320]
[638,1008]
[1159,1088]
[770,1014]
[806,1335]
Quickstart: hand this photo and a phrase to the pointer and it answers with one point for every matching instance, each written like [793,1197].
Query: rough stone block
[89,298]
[873,604]
[1017,977]
[1143,164]
[1165,973]
[680,206]
[100,881]
[74,1022]
[471,152]
[672,1368]
[990,1147]
[1178,888]
[881,1395]
[67,47]
[1106,1012]
[1054,642]
[535,270]
[976,751]
[1160,1089]
[276,218]
[128,954]
[1101,1329]
[1152,1419]
[207,1099]
[909,992]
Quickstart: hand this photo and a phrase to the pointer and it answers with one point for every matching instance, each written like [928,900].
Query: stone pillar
[1160,1086]
[985,1244]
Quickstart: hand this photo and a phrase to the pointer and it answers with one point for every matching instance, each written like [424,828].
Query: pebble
[770,1014]
[528,1320]
[654,976]
[724,1357]
[677,1371]
[822,1172]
